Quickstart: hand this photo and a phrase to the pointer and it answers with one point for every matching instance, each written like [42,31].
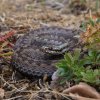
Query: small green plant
[90,22]
[73,67]
[93,58]
[91,76]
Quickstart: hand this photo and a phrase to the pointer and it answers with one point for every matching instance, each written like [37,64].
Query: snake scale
[36,53]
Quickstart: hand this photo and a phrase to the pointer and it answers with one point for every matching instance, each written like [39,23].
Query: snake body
[36,53]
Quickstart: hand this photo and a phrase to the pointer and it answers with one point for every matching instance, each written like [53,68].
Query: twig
[13,98]
[7,83]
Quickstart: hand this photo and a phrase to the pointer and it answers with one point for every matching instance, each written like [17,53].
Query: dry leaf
[84,90]
[77,97]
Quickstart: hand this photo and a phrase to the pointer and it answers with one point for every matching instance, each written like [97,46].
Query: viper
[36,53]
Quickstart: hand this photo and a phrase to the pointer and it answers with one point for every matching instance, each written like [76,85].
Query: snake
[37,52]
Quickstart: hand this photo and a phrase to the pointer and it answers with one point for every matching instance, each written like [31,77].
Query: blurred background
[36,13]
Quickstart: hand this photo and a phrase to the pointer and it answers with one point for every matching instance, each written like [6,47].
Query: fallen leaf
[84,90]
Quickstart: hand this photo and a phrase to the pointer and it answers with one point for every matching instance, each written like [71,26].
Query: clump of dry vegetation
[92,34]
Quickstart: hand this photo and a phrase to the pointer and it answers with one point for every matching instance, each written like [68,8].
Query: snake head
[55,50]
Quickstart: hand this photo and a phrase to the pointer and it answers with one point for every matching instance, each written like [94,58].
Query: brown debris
[84,90]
